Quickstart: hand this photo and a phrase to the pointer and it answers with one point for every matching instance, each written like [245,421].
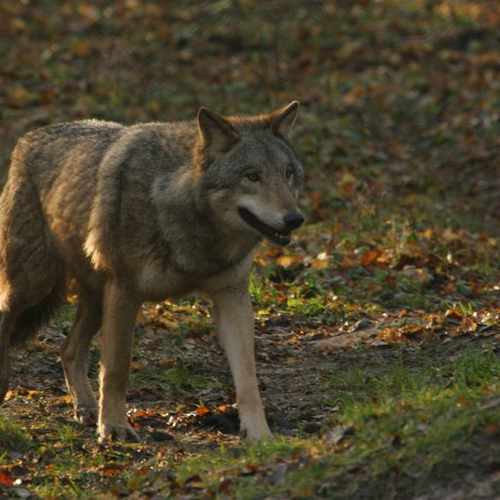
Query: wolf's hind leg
[75,353]
[7,322]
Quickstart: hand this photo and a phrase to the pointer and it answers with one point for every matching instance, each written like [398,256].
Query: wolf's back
[47,194]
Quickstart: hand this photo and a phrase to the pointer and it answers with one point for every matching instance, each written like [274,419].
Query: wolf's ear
[282,121]
[218,134]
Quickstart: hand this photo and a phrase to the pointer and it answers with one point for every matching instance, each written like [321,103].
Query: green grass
[72,465]
[395,418]
[397,132]
[13,437]
[414,418]
[178,378]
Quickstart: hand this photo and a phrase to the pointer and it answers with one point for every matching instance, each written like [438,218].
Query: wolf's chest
[156,283]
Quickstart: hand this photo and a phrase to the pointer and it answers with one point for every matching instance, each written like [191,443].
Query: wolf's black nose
[293,220]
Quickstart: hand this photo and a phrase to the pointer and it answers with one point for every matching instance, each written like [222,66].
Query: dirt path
[296,362]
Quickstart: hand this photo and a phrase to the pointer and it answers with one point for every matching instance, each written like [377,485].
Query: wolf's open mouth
[280,238]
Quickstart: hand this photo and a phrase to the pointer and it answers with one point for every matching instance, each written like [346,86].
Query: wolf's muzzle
[280,237]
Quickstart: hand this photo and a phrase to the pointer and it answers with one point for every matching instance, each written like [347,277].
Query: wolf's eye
[253,176]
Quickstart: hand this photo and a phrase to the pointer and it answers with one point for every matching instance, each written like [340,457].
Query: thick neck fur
[198,243]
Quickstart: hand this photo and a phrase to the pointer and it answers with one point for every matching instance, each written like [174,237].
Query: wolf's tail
[29,322]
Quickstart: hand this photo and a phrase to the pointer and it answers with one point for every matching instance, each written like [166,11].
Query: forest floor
[376,329]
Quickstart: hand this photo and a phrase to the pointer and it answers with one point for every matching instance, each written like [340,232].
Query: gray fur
[146,212]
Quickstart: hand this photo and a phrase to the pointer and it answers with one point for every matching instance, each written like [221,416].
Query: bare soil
[293,370]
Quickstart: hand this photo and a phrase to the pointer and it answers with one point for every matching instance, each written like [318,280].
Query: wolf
[143,213]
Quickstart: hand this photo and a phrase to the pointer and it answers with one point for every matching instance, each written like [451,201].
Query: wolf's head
[251,173]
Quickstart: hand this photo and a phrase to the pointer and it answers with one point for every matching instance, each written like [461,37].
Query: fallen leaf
[6,479]
[202,410]
[370,258]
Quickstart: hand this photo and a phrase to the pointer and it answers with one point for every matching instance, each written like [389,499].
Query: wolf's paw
[4,376]
[108,432]
[86,415]
[252,432]
[4,387]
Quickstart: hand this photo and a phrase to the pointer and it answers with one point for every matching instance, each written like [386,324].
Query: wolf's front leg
[234,319]
[119,313]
